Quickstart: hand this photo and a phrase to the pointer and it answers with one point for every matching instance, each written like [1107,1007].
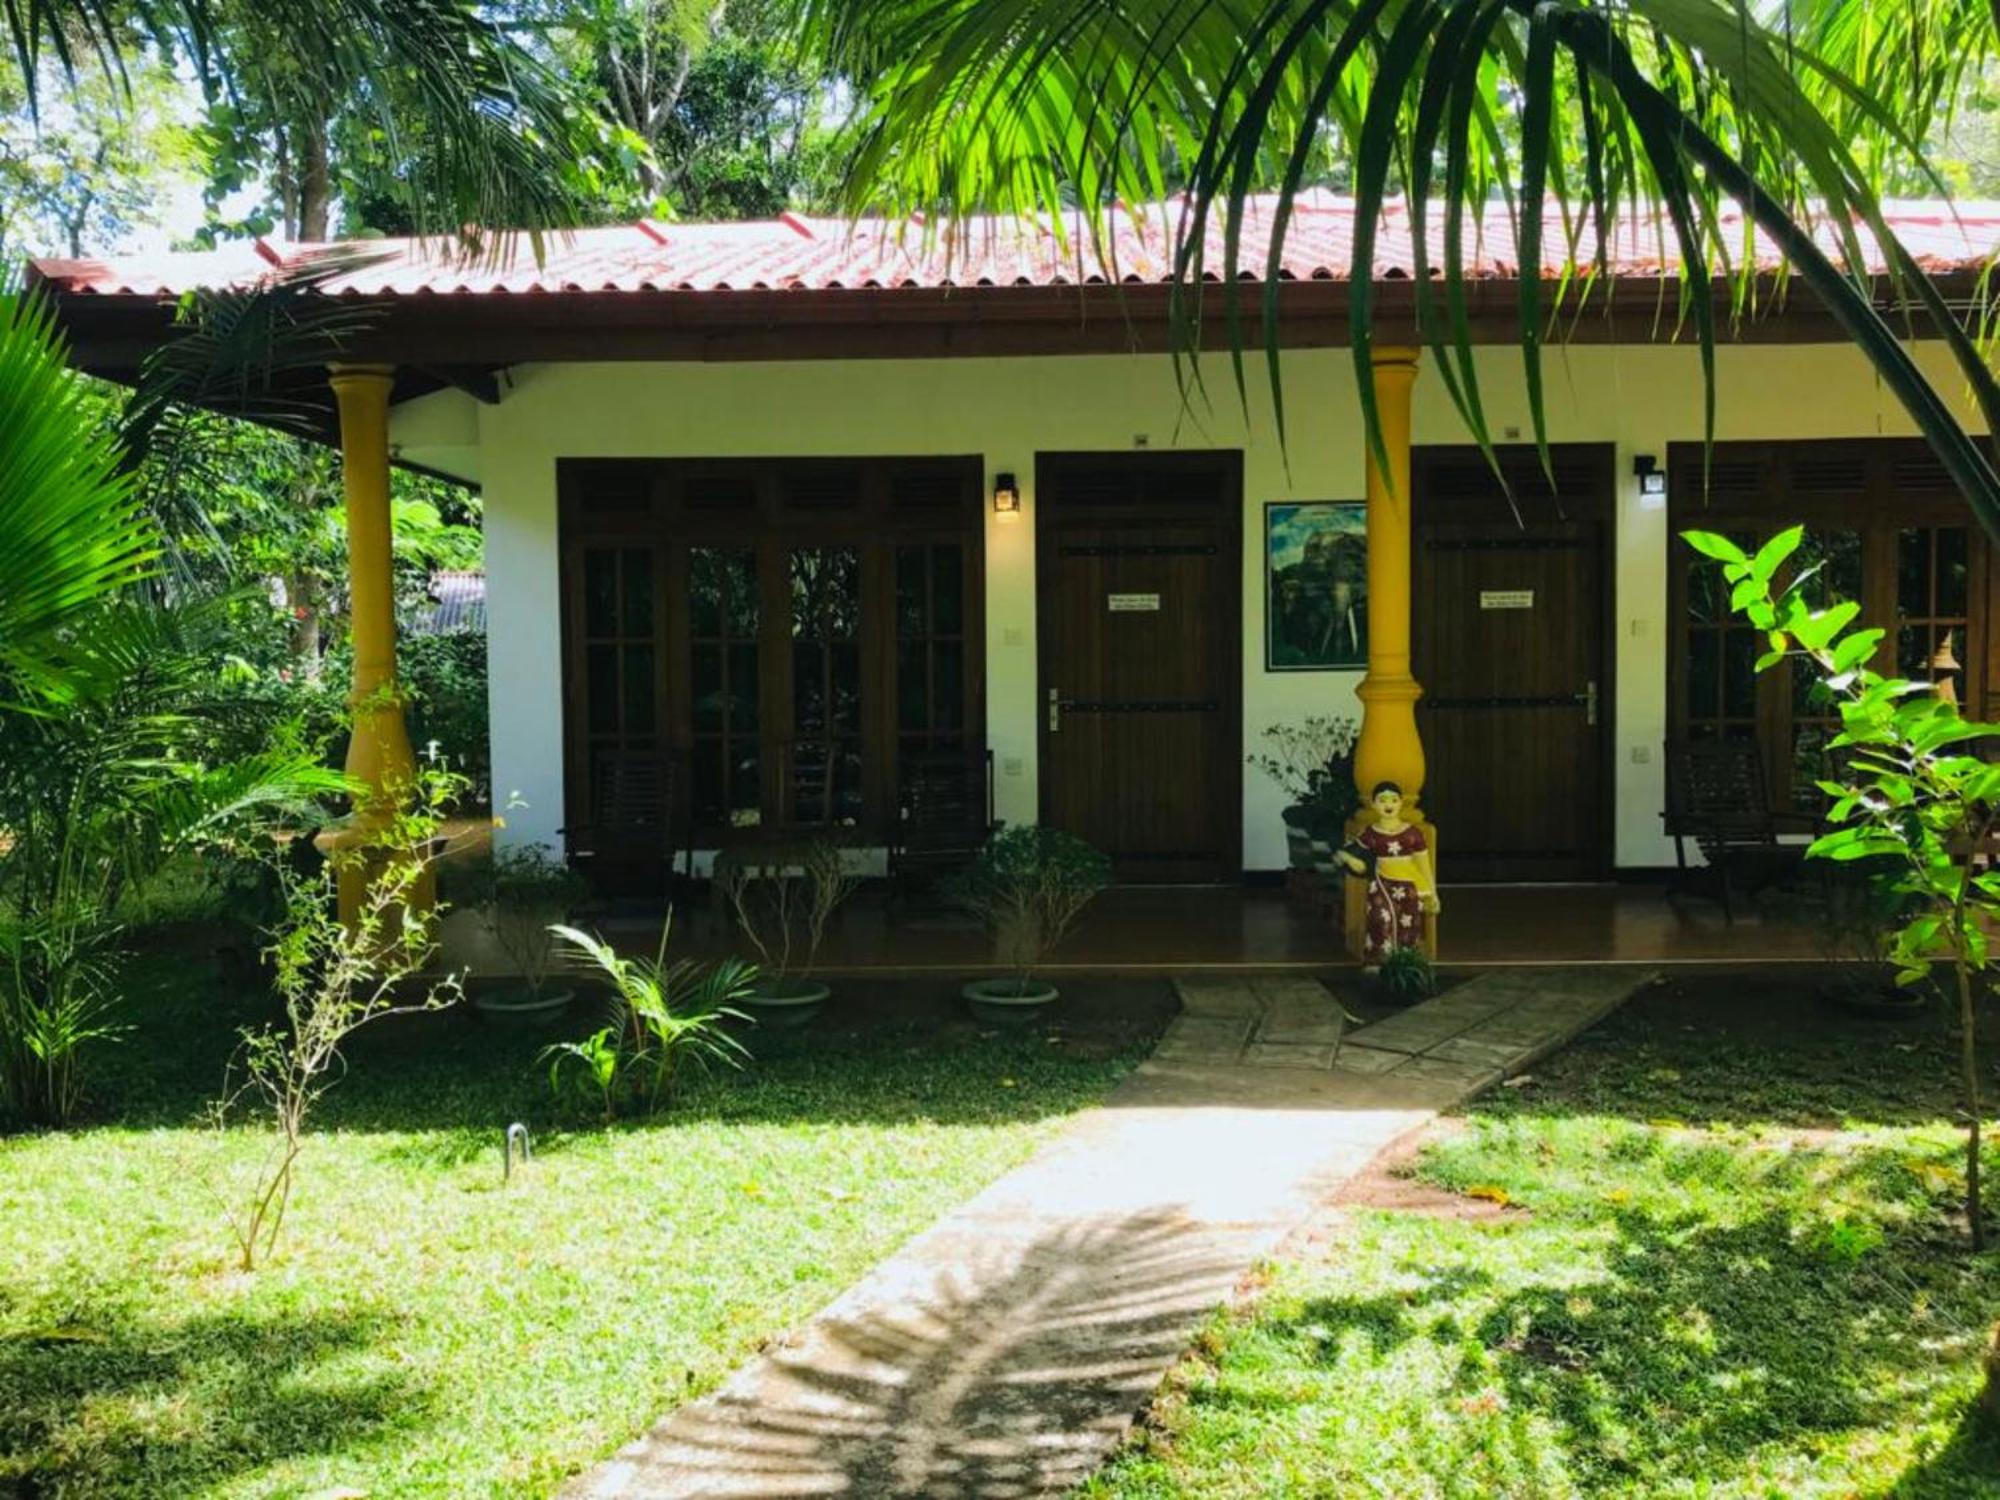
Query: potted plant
[782,897]
[525,893]
[1312,762]
[1028,886]
[1862,909]
[1406,976]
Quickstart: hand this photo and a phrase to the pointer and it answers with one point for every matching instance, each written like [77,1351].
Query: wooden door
[1140,630]
[1509,623]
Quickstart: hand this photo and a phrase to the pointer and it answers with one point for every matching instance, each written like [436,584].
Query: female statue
[1391,855]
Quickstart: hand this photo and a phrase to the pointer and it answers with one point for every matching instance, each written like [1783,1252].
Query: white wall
[1640,398]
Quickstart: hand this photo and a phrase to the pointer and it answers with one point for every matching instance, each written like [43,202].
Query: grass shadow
[163,1410]
[1755,1047]
[1974,1449]
[915,1056]
[1734,1307]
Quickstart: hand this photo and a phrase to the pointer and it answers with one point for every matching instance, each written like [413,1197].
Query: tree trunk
[315,182]
[303,596]
[1968,1020]
[1989,1396]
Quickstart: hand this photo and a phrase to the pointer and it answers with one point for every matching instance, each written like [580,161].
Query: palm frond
[1659,111]
[73,531]
[258,353]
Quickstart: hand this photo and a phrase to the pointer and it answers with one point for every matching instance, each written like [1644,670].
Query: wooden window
[1933,602]
[824,770]
[724,685]
[621,656]
[1883,527]
[810,622]
[1719,649]
[1830,558]
[931,652]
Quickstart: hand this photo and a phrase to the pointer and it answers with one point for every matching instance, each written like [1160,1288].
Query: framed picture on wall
[1315,585]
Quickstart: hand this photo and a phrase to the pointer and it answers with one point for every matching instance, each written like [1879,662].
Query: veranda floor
[1177,930]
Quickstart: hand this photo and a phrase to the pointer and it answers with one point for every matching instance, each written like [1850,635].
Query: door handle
[1055,710]
[1588,698]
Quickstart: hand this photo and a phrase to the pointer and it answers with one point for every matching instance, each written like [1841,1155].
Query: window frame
[774,507]
[1875,487]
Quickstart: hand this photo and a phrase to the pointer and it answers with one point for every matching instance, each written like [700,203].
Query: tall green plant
[1571,114]
[1913,792]
[335,977]
[100,786]
[665,1015]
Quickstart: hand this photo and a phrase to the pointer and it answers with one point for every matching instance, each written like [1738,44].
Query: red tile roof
[793,253]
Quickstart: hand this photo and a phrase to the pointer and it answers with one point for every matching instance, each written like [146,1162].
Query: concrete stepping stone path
[1001,1354]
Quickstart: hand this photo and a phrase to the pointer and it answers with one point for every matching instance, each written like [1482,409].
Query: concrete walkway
[1003,1353]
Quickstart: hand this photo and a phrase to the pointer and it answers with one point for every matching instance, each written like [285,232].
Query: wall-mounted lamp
[1652,478]
[1006,497]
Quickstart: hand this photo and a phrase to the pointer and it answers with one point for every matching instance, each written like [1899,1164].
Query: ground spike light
[517,1132]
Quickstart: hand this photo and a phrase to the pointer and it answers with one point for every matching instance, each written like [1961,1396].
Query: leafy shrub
[99,793]
[524,893]
[335,977]
[444,681]
[1312,763]
[1911,791]
[1029,885]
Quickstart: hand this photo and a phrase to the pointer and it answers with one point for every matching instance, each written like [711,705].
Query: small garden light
[1652,478]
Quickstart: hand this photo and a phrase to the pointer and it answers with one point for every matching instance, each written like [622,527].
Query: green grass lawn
[1714,1250]
[423,1330]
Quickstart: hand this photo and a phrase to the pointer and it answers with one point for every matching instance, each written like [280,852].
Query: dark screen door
[1139,624]
[1509,646]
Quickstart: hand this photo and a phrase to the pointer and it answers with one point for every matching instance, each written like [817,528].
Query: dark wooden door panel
[1139,617]
[1509,645]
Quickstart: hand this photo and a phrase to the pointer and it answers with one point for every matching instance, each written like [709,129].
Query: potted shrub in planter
[1312,762]
[782,897]
[1028,886]
[527,892]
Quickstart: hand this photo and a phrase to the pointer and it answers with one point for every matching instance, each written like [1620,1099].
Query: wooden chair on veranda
[943,818]
[1717,796]
[635,834]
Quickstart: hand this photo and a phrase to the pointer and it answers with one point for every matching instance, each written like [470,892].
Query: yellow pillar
[378,750]
[1388,748]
